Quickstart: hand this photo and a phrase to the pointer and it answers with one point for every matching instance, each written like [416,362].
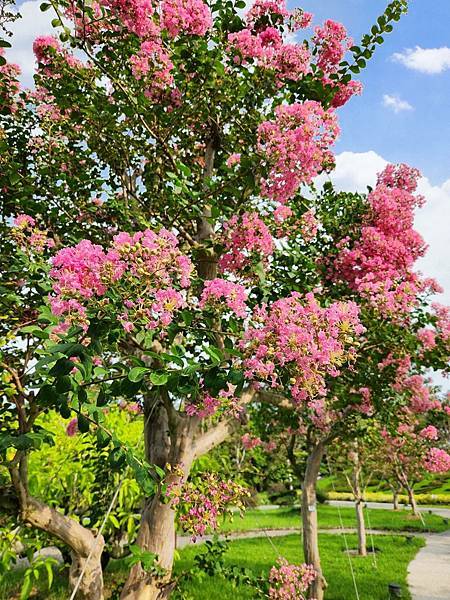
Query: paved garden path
[185,540]
[429,572]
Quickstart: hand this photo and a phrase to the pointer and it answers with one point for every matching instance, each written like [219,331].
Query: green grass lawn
[329,519]
[392,559]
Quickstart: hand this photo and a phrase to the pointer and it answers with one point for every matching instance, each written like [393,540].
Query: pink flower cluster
[437,461]
[296,146]
[249,441]
[221,294]
[28,235]
[419,393]
[262,40]
[135,15]
[152,62]
[379,265]
[208,406]
[343,92]
[295,340]
[45,47]
[429,433]
[42,45]
[332,42]
[72,427]
[290,582]
[199,507]
[9,83]
[191,17]
[306,226]
[141,269]
[427,338]
[247,239]
[442,325]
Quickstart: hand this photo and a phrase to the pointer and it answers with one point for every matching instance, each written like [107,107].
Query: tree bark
[361,526]
[169,440]
[359,504]
[309,519]
[412,501]
[395,493]
[86,549]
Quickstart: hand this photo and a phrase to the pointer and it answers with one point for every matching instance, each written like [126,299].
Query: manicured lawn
[392,559]
[394,554]
[329,519]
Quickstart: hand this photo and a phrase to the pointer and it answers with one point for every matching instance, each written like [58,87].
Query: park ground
[275,532]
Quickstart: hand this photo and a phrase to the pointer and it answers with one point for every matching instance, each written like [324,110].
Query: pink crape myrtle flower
[233,159]
[249,441]
[199,506]
[146,266]
[295,336]
[41,46]
[296,145]
[219,293]
[246,239]
[379,264]
[192,17]
[290,582]
[135,15]
[437,461]
[429,433]
[24,221]
[332,43]
[72,427]
[261,41]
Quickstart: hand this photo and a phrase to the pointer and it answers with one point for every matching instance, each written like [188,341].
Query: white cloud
[424,60]
[395,103]
[33,23]
[355,171]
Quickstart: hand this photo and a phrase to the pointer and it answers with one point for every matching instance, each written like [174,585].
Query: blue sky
[419,136]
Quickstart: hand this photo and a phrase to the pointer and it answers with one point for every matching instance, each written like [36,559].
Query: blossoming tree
[156,174]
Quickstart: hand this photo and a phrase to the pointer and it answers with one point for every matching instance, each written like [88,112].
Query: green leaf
[83,424]
[47,395]
[45,6]
[49,569]
[4,44]
[63,366]
[114,521]
[103,438]
[63,384]
[159,378]
[138,373]
[26,588]
[214,353]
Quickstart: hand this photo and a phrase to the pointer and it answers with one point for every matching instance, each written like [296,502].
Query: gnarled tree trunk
[86,549]
[309,519]
[168,441]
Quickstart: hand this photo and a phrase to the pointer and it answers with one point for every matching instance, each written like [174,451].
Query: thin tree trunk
[359,503]
[361,526]
[412,501]
[395,493]
[309,519]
